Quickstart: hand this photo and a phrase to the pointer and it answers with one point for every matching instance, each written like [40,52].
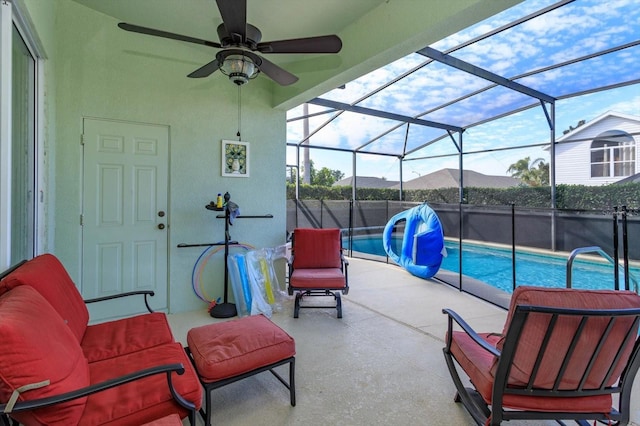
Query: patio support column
[552,151]
[461,187]
[552,175]
[401,194]
[353,169]
[305,132]
[297,181]
[461,199]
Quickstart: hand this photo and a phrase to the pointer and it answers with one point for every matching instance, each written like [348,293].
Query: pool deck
[381,364]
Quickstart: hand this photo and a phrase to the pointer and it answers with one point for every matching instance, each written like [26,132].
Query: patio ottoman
[229,351]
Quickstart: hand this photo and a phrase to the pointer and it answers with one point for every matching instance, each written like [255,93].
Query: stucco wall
[98,70]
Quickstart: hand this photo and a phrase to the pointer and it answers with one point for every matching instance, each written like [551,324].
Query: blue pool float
[423,242]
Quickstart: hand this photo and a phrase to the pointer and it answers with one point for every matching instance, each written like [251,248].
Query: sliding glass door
[20,54]
[22,150]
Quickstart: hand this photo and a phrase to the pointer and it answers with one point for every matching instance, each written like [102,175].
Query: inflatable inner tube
[422,244]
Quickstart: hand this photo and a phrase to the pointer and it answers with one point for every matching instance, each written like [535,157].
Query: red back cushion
[564,332]
[316,248]
[47,275]
[38,346]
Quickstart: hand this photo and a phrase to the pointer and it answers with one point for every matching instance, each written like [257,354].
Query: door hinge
[81,220]
[82,139]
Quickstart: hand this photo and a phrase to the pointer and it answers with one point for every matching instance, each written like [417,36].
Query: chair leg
[296,306]
[292,382]
[473,403]
[192,417]
[339,304]
[206,415]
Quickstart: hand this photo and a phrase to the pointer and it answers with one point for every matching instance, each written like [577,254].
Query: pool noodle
[236,286]
[242,270]
[267,281]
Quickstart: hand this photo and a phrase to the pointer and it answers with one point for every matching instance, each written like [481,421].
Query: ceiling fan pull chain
[239,113]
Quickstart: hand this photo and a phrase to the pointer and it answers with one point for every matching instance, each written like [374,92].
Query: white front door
[124,221]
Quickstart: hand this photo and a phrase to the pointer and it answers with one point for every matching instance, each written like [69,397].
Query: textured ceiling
[276,19]
[374,32]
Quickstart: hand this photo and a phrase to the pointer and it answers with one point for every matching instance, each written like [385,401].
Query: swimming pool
[492,265]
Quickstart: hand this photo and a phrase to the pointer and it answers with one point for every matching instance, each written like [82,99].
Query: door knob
[161,226]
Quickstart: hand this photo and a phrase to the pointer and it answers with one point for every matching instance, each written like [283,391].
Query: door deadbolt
[161,213]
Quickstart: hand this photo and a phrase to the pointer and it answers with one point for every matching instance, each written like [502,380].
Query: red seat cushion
[124,336]
[230,348]
[325,278]
[38,346]
[143,400]
[480,366]
[477,363]
[172,420]
[316,248]
[474,360]
[46,274]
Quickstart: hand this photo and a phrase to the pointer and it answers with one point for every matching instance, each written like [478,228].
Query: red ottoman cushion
[230,348]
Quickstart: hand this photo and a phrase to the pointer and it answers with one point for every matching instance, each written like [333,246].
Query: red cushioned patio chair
[317,267]
[562,354]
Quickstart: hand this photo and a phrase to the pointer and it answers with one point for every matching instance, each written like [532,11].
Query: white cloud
[573,30]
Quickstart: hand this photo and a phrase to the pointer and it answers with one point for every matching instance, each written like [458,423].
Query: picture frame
[235,159]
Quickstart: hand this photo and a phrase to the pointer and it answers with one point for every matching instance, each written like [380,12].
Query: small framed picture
[235,159]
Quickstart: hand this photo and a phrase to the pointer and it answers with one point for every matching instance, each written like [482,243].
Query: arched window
[613,153]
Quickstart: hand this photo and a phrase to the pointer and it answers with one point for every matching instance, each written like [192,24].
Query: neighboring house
[450,178]
[631,179]
[605,151]
[366,182]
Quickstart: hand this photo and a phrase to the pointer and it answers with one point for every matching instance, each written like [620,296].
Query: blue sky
[580,28]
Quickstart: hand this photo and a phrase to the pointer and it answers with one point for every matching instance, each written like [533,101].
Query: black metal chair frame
[302,292]
[205,411]
[479,410]
[334,292]
[167,369]
[108,384]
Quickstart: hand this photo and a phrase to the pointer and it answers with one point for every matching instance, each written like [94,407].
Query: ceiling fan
[239,40]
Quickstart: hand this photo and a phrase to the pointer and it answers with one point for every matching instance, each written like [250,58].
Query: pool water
[493,266]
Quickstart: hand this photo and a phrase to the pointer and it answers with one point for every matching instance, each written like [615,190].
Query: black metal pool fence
[549,229]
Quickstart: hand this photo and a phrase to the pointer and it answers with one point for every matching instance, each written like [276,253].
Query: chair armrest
[453,316]
[107,384]
[146,293]
[12,268]
[344,259]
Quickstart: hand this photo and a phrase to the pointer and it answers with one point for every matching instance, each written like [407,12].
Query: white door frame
[15,13]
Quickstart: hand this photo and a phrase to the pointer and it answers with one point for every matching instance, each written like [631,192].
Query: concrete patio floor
[381,364]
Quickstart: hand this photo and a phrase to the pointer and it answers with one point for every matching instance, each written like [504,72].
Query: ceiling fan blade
[320,44]
[277,74]
[234,16]
[165,34]
[206,70]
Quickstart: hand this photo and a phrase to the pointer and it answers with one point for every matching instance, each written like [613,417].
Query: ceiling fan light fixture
[239,68]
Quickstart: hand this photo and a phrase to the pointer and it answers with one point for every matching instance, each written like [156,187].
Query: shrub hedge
[574,197]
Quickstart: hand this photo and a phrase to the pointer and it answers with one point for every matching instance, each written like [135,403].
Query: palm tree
[533,173]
